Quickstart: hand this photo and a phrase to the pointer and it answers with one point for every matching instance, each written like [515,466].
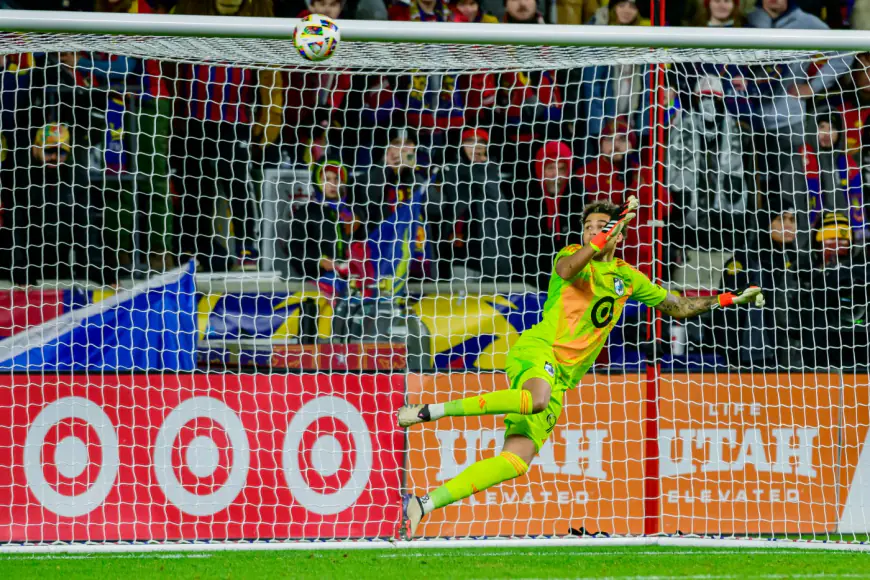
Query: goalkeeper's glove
[751,295]
[618,222]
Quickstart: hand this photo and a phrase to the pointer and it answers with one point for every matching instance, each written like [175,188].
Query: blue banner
[151,327]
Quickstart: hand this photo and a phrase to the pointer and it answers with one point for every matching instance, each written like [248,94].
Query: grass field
[631,562]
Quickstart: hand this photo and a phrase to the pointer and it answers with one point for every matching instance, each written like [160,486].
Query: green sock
[475,478]
[497,403]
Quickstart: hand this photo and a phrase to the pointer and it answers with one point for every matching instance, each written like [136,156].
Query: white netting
[379,56]
[380,229]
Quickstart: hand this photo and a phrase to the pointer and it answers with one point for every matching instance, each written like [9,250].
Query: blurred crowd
[111,166]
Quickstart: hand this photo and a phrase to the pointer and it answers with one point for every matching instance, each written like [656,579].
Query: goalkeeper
[587,292]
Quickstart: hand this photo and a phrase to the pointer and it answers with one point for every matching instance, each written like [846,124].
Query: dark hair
[604,207]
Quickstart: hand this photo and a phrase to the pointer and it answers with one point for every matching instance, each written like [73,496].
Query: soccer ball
[316,37]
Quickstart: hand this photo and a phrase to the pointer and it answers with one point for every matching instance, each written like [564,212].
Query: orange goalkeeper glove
[751,295]
[616,225]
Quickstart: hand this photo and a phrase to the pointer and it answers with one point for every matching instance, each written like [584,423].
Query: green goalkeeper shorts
[526,362]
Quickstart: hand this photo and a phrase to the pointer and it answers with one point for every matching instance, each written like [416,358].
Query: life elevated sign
[737,453]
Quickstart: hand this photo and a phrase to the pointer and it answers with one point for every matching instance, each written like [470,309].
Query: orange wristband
[726,299]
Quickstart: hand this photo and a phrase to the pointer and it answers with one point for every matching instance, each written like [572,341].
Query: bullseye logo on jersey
[602,312]
[148,457]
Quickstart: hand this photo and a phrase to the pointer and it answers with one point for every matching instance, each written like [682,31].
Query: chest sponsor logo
[602,312]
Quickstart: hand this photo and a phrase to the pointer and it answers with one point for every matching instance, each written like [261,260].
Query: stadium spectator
[389,199]
[56,226]
[323,229]
[839,298]
[769,337]
[720,14]
[853,103]
[614,173]
[331,8]
[389,180]
[469,216]
[546,214]
[18,97]
[528,111]
[420,11]
[522,12]
[224,117]
[471,11]
[706,176]
[779,107]
[608,91]
[576,11]
[617,13]
[833,175]
[153,112]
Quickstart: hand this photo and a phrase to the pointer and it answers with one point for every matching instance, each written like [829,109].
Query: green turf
[633,562]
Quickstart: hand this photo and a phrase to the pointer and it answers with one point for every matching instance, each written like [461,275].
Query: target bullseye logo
[327,455]
[201,456]
[71,456]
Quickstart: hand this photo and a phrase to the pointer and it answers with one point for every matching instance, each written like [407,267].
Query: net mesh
[227,269]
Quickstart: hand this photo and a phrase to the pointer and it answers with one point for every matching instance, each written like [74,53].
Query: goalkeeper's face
[593,225]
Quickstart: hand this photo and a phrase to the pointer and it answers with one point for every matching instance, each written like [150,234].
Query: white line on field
[709,577]
[178,556]
[584,553]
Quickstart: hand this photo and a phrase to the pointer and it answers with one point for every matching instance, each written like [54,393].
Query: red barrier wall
[199,456]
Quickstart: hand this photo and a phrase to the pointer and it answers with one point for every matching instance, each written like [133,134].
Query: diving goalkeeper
[587,292]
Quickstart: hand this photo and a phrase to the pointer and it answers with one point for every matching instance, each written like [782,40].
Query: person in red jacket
[616,168]
[546,213]
[615,174]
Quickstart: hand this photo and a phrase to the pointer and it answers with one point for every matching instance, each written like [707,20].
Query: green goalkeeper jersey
[580,313]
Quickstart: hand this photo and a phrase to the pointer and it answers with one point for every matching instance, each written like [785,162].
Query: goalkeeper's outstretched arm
[683,307]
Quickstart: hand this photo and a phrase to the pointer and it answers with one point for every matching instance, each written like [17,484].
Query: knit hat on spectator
[553,151]
[53,135]
[822,112]
[777,206]
[475,136]
[835,226]
[330,165]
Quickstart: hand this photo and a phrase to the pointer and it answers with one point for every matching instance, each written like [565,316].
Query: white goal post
[228,267]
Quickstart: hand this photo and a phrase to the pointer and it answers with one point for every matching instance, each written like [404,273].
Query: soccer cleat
[412,513]
[413,414]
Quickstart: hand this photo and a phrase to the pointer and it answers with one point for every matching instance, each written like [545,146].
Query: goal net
[225,268]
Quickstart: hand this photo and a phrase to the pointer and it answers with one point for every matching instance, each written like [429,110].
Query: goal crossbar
[434,32]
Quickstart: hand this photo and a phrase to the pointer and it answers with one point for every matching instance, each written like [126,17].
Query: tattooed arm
[683,307]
